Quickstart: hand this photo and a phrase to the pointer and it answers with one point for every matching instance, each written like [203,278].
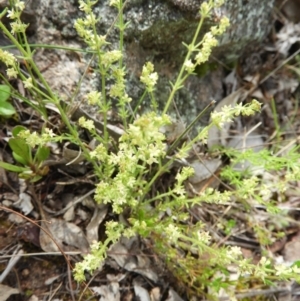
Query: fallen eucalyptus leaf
[6,291]
[110,292]
[67,235]
[173,296]
[24,203]
[252,141]
[134,263]
[72,154]
[140,292]
[205,169]
[98,217]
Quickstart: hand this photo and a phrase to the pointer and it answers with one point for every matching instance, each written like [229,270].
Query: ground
[61,201]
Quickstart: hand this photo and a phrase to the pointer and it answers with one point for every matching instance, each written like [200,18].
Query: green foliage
[22,152]
[6,109]
[129,169]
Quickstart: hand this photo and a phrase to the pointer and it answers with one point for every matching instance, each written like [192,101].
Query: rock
[163,25]
[156,31]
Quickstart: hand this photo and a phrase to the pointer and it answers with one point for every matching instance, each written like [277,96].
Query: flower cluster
[87,124]
[172,233]
[11,72]
[148,77]
[16,27]
[15,14]
[34,139]
[142,144]
[91,262]
[118,89]
[208,43]
[219,118]
[94,97]
[28,83]
[86,27]
[7,58]
[209,40]
[211,195]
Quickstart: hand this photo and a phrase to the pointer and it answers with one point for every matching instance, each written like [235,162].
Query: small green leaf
[4,92]
[19,159]
[30,176]
[35,179]
[42,154]
[27,174]
[21,148]
[17,129]
[6,109]
[12,167]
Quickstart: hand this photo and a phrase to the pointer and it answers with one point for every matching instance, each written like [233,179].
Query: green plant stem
[121,36]
[160,196]
[138,104]
[121,26]
[161,170]
[180,78]
[3,13]
[153,102]
[58,47]
[28,59]
[169,162]
[276,121]
[26,53]
[78,86]
[173,202]
[74,134]
[201,114]
[103,85]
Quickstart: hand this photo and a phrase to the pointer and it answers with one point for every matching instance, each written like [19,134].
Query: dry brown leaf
[110,292]
[173,131]
[203,170]
[98,217]
[173,296]
[244,142]
[24,203]
[6,291]
[67,235]
[291,250]
[155,294]
[72,154]
[140,292]
[134,263]
[204,176]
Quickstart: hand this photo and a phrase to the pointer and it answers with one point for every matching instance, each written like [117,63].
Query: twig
[70,283]
[74,203]
[42,228]
[55,291]
[12,262]
[42,254]
[258,293]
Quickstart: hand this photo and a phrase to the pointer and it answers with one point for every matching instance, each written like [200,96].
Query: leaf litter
[78,224]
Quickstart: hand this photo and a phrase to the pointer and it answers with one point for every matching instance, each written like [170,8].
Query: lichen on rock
[155,33]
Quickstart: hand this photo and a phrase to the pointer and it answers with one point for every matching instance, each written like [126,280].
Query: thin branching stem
[181,78]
